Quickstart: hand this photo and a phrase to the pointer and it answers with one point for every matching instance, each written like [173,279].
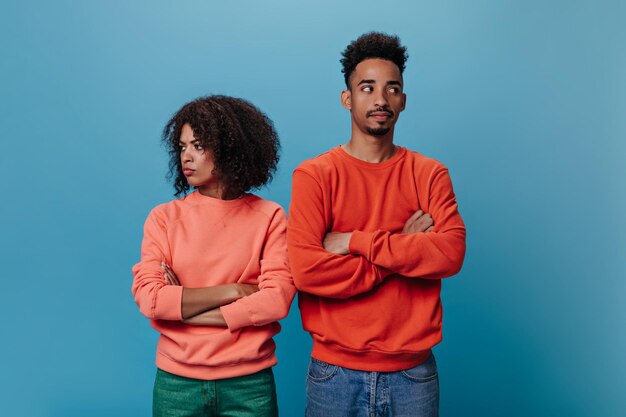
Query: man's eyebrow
[393,82]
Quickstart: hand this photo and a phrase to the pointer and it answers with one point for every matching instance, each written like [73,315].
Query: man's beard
[378,131]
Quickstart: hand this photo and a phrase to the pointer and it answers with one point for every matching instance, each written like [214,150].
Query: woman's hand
[199,300]
[169,275]
[244,290]
[208,318]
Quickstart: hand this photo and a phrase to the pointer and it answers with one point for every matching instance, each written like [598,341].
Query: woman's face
[198,164]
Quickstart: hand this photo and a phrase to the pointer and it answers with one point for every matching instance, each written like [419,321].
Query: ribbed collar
[197,198]
[399,155]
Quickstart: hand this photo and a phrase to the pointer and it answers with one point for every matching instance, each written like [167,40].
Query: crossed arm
[343,265]
[200,306]
[339,243]
[160,296]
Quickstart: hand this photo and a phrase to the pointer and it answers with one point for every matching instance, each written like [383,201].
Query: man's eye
[393,89]
[367,89]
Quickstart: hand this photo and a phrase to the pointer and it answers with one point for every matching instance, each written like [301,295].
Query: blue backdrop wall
[524,101]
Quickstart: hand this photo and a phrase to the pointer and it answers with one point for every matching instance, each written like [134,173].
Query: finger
[170,274]
[410,225]
[174,278]
[423,223]
[428,221]
[168,278]
[415,216]
[171,277]
[430,229]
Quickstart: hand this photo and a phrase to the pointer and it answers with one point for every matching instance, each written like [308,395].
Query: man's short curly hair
[373,45]
[242,138]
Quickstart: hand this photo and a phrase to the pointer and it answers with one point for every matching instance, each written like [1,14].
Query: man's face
[375,97]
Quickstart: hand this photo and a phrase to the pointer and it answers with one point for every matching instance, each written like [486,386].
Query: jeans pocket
[320,371]
[423,372]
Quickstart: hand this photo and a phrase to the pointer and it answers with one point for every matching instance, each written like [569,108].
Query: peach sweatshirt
[210,242]
[377,308]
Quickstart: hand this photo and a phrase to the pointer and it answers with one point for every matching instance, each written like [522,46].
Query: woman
[213,276]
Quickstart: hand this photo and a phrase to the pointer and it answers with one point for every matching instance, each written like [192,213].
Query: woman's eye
[181,148]
[198,146]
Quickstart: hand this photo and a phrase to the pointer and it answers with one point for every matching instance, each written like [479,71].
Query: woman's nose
[186,156]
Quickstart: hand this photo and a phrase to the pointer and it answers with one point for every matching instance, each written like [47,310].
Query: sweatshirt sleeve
[276,290]
[315,270]
[436,254]
[156,299]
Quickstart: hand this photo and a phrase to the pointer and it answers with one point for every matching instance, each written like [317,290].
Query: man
[373,228]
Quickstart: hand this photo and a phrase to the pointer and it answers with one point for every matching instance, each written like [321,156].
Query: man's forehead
[378,70]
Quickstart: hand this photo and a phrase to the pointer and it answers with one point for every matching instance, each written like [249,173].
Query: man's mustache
[379,110]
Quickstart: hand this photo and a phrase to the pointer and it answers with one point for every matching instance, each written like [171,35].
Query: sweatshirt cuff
[236,315]
[169,303]
[361,243]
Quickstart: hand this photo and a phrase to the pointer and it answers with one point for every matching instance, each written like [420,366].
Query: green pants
[249,395]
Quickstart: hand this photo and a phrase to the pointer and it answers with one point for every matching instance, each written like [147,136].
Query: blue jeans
[333,391]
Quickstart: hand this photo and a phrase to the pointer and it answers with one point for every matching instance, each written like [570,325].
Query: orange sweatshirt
[210,242]
[378,308]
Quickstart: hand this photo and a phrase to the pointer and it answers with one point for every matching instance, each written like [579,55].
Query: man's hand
[337,243]
[418,222]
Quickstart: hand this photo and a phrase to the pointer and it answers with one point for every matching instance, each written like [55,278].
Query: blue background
[525,102]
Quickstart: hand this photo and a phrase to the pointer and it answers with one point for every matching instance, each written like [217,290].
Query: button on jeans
[333,391]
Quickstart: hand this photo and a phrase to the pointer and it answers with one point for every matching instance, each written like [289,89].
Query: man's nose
[380,99]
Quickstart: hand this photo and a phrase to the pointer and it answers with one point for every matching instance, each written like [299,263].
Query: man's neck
[371,148]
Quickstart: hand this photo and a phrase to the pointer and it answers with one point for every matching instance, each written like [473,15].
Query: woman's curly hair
[242,138]
[373,45]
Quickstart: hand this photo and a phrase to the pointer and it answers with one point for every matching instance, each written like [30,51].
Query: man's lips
[380,116]
[379,113]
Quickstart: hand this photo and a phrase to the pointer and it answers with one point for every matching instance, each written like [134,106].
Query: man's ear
[346,99]
[403,102]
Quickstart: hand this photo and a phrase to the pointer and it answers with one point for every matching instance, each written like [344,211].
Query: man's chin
[378,131]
